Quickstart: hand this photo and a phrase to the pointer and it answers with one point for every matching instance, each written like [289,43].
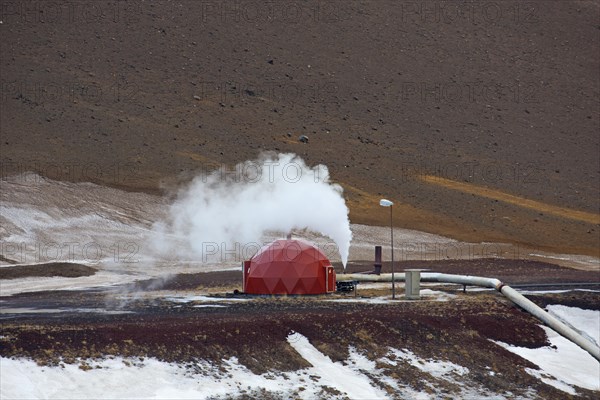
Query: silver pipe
[510,293]
[369,277]
[551,321]
[491,283]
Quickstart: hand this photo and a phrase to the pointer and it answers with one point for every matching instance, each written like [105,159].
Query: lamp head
[385,203]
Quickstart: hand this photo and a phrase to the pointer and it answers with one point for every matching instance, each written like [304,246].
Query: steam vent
[288,267]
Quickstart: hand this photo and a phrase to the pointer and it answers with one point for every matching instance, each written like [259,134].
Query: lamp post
[387,203]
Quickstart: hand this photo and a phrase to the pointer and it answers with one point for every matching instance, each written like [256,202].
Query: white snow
[588,263]
[374,285]
[368,300]
[436,295]
[207,299]
[436,368]
[42,220]
[426,294]
[61,310]
[210,306]
[587,322]
[567,365]
[127,379]
[121,378]
[8,287]
[334,374]
[131,378]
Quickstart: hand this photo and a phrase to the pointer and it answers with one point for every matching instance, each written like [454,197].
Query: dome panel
[288,267]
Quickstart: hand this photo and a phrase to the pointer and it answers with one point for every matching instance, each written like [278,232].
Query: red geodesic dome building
[288,267]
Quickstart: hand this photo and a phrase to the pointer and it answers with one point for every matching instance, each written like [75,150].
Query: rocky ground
[479,119]
[143,320]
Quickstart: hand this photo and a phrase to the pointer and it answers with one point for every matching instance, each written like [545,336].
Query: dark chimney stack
[377,265]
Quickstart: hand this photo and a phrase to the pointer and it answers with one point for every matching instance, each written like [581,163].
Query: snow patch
[62,310]
[99,279]
[207,299]
[587,322]
[436,368]
[368,300]
[125,379]
[426,295]
[436,295]
[210,306]
[564,364]
[334,374]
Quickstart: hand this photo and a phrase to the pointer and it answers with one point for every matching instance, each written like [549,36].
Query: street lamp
[387,203]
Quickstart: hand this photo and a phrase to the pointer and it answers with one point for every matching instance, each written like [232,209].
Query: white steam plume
[236,207]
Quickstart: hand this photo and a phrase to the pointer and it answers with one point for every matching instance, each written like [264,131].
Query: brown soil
[255,331]
[390,95]
[69,270]
[509,271]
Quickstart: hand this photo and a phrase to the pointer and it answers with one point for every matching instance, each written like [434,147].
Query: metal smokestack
[377,264]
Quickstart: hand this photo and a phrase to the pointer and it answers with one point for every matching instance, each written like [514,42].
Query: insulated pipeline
[492,283]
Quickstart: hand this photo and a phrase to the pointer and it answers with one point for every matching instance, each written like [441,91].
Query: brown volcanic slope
[500,99]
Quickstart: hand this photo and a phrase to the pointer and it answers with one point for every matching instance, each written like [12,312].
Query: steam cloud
[233,207]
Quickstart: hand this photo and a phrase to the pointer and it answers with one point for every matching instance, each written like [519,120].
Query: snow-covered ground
[111,230]
[203,299]
[426,294]
[121,378]
[436,368]
[589,320]
[341,377]
[357,377]
[47,221]
[8,287]
[565,365]
[61,310]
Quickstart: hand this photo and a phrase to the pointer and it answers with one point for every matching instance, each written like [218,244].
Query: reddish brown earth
[497,95]
[69,270]
[255,331]
[511,272]
[393,95]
